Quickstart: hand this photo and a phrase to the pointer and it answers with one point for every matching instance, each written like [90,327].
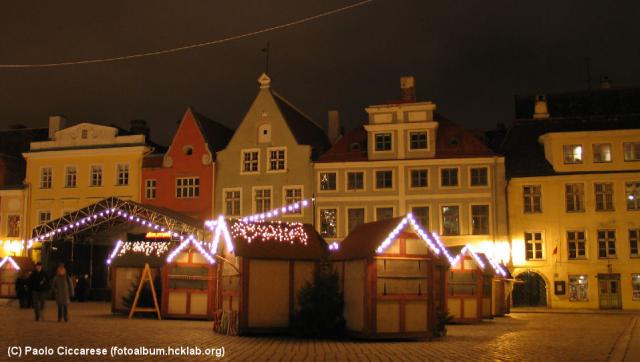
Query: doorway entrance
[609,291]
[529,290]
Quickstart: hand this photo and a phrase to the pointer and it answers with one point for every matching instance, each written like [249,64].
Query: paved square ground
[518,337]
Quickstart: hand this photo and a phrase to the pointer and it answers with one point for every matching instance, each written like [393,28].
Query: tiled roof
[13,142]
[215,134]
[350,147]
[153,160]
[305,130]
[315,248]
[525,155]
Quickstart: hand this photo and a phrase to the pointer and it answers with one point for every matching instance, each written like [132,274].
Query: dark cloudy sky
[470,57]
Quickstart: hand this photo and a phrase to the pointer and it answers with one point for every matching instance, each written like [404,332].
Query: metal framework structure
[112,211]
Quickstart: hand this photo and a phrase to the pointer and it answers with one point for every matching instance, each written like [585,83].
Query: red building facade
[182,178]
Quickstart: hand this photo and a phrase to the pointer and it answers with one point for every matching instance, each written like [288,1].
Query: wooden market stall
[264,265]
[393,278]
[469,286]
[190,283]
[502,287]
[126,262]
[11,267]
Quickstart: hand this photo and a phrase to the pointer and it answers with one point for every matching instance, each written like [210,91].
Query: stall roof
[315,247]
[123,254]
[23,262]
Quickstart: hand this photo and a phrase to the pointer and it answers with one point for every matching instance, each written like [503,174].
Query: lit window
[606,243]
[123,174]
[635,286]
[46,175]
[450,220]
[576,244]
[604,196]
[602,152]
[572,154]
[250,161]
[532,198]
[13,226]
[355,180]
[44,217]
[418,140]
[578,288]
[419,178]
[479,176]
[150,189]
[262,199]
[574,196]
[632,151]
[633,243]
[533,245]
[329,223]
[421,213]
[187,187]
[355,218]
[291,196]
[232,202]
[449,177]
[277,160]
[327,181]
[384,179]
[480,219]
[632,194]
[384,213]
[70,176]
[383,142]
[96,175]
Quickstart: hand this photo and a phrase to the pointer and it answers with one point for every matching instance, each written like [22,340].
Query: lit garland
[104,214]
[433,244]
[11,261]
[191,240]
[267,231]
[13,246]
[464,250]
[334,246]
[221,230]
[287,209]
[148,248]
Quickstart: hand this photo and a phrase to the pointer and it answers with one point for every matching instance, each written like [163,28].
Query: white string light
[192,46]
[288,232]
[194,242]
[11,261]
[287,209]
[221,230]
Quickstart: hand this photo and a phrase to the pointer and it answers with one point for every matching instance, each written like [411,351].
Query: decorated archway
[529,290]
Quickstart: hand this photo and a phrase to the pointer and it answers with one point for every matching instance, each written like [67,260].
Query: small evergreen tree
[321,306]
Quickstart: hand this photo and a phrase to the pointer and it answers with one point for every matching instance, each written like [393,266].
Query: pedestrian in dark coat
[22,289]
[38,285]
[63,290]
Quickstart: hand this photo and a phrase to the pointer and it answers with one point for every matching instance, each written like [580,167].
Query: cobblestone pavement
[519,337]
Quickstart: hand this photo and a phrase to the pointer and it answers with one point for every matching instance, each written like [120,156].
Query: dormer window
[383,142]
[264,133]
[418,140]
[572,154]
[355,146]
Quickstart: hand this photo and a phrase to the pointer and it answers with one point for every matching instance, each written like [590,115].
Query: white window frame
[377,207]
[534,248]
[410,178]
[187,187]
[319,221]
[470,175]
[346,216]
[440,185]
[50,177]
[128,174]
[603,195]
[364,180]
[429,215]
[337,183]
[393,179]
[577,242]
[254,204]
[607,241]
[571,147]
[150,188]
[636,151]
[584,277]
[635,292]
[375,143]
[249,150]
[441,219]
[595,147]
[268,160]
[43,211]
[409,132]
[489,218]
[285,203]
[532,197]
[566,198]
[224,199]
[637,241]
[66,177]
[635,195]
[91,175]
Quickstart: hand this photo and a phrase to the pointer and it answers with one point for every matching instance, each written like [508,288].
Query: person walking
[62,287]
[38,284]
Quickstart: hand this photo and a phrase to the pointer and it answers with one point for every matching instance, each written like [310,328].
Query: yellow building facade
[79,166]
[12,212]
[574,213]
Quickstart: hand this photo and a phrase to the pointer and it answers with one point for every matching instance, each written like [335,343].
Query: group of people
[36,288]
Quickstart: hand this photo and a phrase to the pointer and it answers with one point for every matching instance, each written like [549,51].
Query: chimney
[540,110]
[139,126]
[408,89]
[334,131]
[56,123]
[605,82]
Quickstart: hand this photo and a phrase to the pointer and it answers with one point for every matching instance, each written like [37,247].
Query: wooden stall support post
[145,277]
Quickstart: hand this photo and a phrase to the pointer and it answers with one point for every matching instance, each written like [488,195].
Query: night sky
[469,57]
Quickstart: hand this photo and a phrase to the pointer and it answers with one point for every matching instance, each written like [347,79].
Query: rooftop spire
[264,80]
